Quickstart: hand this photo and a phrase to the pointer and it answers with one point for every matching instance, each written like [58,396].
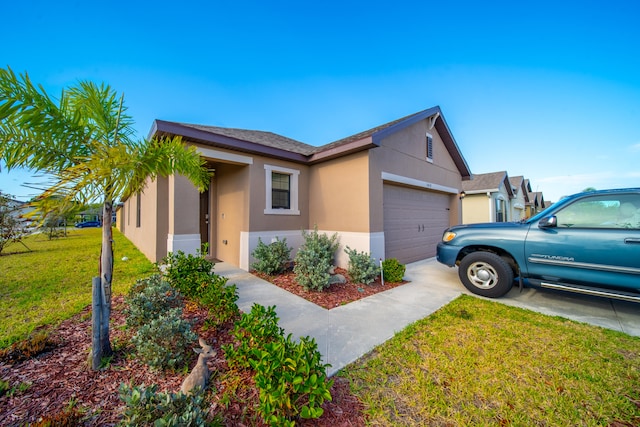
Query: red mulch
[335,295]
[60,377]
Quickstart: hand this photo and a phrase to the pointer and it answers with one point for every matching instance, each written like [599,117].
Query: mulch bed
[335,295]
[60,378]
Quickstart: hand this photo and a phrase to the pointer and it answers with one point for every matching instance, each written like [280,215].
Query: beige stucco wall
[403,154]
[340,194]
[149,237]
[476,208]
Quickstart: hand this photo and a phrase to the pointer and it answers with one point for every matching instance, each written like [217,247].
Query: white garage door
[413,222]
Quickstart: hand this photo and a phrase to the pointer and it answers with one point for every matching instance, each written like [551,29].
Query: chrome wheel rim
[482,275]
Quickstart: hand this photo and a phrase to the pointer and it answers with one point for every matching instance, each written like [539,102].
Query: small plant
[36,343]
[291,380]
[150,298]
[253,331]
[392,270]
[68,417]
[220,299]
[362,268]
[272,258]
[147,406]
[314,259]
[187,273]
[165,342]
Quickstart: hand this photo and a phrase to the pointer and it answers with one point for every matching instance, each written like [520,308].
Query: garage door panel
[413,222]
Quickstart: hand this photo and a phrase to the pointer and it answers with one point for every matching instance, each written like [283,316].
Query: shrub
[147,406]
[68,417]
[165,342]
[272,258]
[187,273]
[150,298]
[291,380]
[253,331]
[289,375]
[220,299]
[393,271]
[314,259]
[362,268]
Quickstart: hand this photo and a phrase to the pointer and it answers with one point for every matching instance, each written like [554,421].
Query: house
[520,197]
[536,202]
[487,198]
[390,191]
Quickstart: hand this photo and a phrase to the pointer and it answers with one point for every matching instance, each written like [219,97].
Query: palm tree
[84,141]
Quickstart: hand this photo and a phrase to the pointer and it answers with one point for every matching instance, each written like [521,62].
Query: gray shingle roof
[484,181]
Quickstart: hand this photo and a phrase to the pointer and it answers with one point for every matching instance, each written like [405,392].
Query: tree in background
[11,228]
[85,141]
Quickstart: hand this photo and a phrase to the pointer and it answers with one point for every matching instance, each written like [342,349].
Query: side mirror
[548,222]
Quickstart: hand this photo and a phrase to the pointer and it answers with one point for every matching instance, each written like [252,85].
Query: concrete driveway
[621,316]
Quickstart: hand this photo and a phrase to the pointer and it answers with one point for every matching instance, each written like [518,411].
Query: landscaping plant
[392,270]
[314,260]
[272,258]
[149,299]
[362,268]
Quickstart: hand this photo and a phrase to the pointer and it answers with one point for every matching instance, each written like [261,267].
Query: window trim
[429,147]
[294,175]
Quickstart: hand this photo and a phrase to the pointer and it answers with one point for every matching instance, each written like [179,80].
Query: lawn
[53,282]
[478,362]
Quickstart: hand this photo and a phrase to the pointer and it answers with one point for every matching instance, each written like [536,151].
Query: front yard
[471,363]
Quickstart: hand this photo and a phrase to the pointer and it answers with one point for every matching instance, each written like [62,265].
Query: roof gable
[488,182]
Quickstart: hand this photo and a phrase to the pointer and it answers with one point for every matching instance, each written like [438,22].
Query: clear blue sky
[548,90]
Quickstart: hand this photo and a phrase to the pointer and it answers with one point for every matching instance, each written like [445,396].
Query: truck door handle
[632,240]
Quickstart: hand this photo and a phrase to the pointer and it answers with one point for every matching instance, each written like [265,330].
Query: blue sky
[548,90]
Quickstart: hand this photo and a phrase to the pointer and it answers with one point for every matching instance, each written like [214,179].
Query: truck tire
[486,274]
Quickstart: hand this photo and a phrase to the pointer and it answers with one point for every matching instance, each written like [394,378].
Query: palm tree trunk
[106,274]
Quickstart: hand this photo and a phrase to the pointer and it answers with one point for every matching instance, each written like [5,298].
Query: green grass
[53,282]
[477,362]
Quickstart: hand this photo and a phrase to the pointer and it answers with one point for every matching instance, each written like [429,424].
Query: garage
[414,221]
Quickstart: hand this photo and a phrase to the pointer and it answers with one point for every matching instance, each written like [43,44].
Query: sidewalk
[345,333]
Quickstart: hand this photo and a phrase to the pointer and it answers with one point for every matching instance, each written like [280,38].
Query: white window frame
[294,174]
[427,138]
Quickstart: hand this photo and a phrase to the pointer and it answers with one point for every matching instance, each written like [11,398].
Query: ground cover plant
[478,362]
[53,281]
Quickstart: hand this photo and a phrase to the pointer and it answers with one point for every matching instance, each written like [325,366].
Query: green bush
[272,258]
[165,342]
[187,273]
[292,381]
[220,299]
[392,270]
[362,268]
[314,259]
[148,299]
[253,331]
[289,375]
[146,406]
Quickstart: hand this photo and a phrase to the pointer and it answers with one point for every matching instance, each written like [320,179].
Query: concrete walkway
[346,333]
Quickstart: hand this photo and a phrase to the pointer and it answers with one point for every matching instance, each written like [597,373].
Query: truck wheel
[486,274]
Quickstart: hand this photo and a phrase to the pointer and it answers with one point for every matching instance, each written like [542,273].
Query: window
[429,147]
[138,200]
[501,210]
[602,212]
[281,190]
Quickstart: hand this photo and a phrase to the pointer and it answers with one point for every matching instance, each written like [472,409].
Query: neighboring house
[520,197]
[536,203]
[487,198]
[20,210]
[390,191]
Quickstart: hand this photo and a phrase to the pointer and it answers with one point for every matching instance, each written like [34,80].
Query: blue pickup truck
[587,243]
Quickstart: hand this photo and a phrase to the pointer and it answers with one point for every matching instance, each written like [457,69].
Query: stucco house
[487,198]
[390,191]
[521,190]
